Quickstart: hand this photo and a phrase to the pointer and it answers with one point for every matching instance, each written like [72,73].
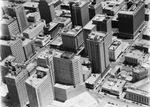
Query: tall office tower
[103,23]
[4,67]
[131,20]
[52,29]
[67,67]
[40,89]
[79,13]
[18,12]
[28,47]
[12,47]
[98,51]
[15,81]
[45,59]
[72,39]
[87,29]
[9,27]
[94,9]
[47,11]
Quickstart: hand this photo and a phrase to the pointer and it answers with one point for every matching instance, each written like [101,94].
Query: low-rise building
[139,73]
[132,57]
[92,81]
[113,86]
[139,92]
[64,92]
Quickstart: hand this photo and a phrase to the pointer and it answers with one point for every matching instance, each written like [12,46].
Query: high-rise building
[103,23]
[4,66]
[79,13]
[52,29]
[15,81]
[12,47]
[9,27]
[97,44]
[18,12]
[45,59]
[87,29]
[131,20]
[95,9]
[72,39]
[47,11]
[28,48]
[67,67]
[40,89]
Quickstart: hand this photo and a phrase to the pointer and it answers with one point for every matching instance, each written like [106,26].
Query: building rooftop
[46,54]
[100,18]
[141,87]
[89,25]
[115,45]
[7,20]
[65,55]
[142,43]
[133,9]
[7,59]
[51,25]
[62,86]
[26,41]
[116,84]
[139,69]
[73,32]
[37,78]
[78,3]
[96,36]
[119,85]
[9,42]
[31,4]
[93,78]
[134,54]
[63,20]
[57,41]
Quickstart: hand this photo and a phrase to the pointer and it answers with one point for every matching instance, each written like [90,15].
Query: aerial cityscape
[75,53]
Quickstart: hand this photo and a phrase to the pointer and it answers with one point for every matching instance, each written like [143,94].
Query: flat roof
[63,86]
[26,41]
[96,36]
[71,32]
[57,41]
[115,45]
[31,4]
[34,81]
[134,54]
[141,87]
[46,53]
[93,78]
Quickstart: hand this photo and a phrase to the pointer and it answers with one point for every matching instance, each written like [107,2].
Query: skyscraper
[40,89]
[4,66]
[28,48]
[87,29]
[9,27]
[15,81]
[103,23]
[45,59]
[98,51]
[18,12]
[94,9]
[12,47]
[79,13]
[67,67]
[47,11]
[131,20]
[72,39]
